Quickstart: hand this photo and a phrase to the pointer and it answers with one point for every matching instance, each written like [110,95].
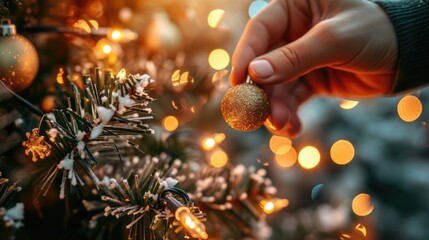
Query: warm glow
[107,49]
[361,228]
[409,108]
[273,205]
[94,23]
[60,76]
[286,160]
[280,145]
[348,104]
[82,25]
[192,224]
[170,123]
[342,152]
[219,137]
[362,205]
[309,157]
[122,74]
[214,17]
[218,59]
[115,35]
[219,159]
[208,143]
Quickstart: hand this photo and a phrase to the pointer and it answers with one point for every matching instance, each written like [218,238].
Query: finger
[313,50]
[284,118]
[260,32]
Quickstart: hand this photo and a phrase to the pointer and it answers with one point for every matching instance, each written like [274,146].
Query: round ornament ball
[245,107]
[19,61]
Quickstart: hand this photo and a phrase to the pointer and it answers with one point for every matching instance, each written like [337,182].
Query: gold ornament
[36,145]
[245,107]
[18,58]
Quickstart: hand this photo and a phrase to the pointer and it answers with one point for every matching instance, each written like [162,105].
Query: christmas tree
[111,128]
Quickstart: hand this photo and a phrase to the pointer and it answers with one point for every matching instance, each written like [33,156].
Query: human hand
[296,49]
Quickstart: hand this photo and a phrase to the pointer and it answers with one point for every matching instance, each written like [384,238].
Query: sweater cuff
[410,19]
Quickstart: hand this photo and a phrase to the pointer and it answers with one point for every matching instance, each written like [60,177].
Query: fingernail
[262,68]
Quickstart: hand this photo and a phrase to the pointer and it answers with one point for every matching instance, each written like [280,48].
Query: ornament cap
[7,28]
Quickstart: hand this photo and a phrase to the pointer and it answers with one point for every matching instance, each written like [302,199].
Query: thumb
[312,50]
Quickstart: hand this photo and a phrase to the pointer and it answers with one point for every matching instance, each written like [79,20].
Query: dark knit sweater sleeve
[410,19]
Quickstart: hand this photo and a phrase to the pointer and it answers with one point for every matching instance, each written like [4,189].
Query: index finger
[266,28]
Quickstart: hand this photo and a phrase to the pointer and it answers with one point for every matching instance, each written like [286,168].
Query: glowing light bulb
[362,205]
[122,74]
[273,205]
[107,49]
[309,157]
[115,35]
[194,226]
[208,143]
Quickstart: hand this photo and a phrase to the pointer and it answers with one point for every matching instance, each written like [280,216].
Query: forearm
[411,21]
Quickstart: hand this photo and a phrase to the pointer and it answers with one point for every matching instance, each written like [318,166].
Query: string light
[121,35]
[362,205]
[194,226]
[273,205]
[208,143]
[309,157]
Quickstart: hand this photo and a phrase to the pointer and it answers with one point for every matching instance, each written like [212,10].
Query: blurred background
[358,170]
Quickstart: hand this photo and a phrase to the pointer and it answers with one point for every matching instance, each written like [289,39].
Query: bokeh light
[342,152]
[409,108]
[362,205]
[273,205]
[280,145]
[170,123]
[256,6]
[115,35]
[219,137]
[361,228]
[218,59]
[316,191]
[208,143]
[287,159]
[348,104]
[214,17]
[219,159]
[309,157]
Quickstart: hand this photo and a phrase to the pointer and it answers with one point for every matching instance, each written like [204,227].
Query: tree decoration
[11,213]
[19,62]
[36,145]
[245,107]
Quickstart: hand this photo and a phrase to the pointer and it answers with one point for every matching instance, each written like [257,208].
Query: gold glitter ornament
[245,107]
[19,61]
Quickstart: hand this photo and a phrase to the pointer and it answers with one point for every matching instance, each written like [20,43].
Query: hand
[295,49]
